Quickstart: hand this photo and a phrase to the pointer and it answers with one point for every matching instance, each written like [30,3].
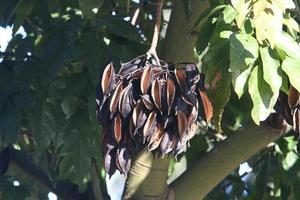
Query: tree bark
[214,166]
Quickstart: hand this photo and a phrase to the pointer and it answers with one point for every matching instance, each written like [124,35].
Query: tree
[247,49]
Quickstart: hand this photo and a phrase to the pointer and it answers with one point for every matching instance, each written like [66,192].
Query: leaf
[68,106]
[268,21]
[287,44]
[271,68]
[229,14]
[23,9]
[291,67]
[261,94]
[147,78]
[239,79]
[182,124]
[243,8]
[243,51]
[108,79]
[219,94]
[117,127]
[291,24]
[88,5]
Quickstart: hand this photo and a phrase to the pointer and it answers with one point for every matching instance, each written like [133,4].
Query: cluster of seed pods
[149,105]
[289,108]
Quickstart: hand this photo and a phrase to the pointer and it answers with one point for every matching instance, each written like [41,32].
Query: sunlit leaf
[261,94]
[271,70]
[243,51]
[291,67]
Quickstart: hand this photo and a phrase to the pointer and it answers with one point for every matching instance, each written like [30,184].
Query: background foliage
[248,50]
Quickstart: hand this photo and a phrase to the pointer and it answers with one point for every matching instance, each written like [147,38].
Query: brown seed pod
[294,97]
[149,106]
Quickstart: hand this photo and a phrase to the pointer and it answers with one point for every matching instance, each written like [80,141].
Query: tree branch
[180,38]
[214,166]
[148,176]
[95,182]
[63,189]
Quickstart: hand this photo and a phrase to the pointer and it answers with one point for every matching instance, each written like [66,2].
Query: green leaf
[68,106]
[287,44]
[88,5]
[271,68]
[119,27]
[219,94]
[229,14]
[261,94]
[291,66]
[23,9]
[239,79]
[243,51]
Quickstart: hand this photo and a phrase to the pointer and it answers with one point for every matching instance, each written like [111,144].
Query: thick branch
[96,182]
[181,35]
[217,164]
[147,176]
[24,163]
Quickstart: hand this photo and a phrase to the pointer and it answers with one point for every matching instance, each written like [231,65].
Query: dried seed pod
[123,160]
[156,139]
[150,126]
[108,79]
[182,124]
[171,91]
[117,128]
[149,106]
[138,115]
[125,103]
[156,92]
[147,102]
[205,106]
[115,99]
[294,97]
[147,78]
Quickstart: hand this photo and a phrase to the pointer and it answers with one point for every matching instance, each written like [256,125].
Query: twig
[95,182]
[152,50]
[135,16]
